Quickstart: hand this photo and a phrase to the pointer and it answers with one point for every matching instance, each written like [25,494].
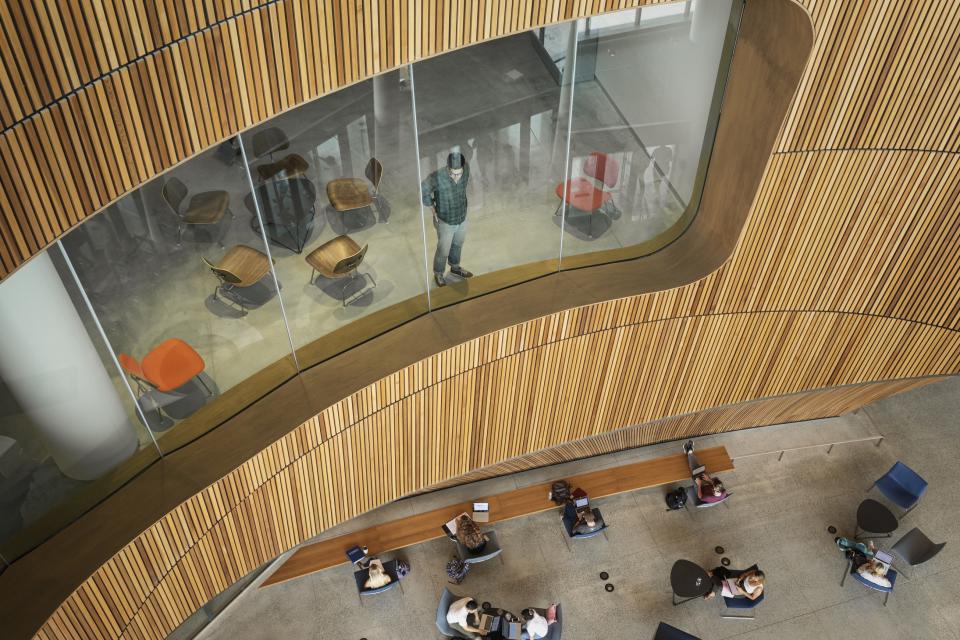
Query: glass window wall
[196,295]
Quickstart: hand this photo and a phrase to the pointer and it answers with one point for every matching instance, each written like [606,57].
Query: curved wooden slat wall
[534,386]
[845,274]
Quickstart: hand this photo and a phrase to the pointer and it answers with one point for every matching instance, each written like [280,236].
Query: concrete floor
[788,538]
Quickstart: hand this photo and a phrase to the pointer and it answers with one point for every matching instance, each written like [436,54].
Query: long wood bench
[512,504]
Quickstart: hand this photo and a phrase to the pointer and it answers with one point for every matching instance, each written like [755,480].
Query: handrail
[829,446]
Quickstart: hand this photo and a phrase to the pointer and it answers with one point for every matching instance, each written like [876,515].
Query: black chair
[666,632]
[916,548]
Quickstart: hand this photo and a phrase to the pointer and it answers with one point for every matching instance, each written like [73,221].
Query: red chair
[169,366]
[588,194]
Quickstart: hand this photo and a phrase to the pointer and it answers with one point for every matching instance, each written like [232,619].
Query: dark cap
[456,161]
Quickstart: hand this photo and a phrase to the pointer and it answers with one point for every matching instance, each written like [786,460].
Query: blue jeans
[449,243]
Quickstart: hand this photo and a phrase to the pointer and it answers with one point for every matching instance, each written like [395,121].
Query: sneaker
[438,278]
[688,446]
[460,271]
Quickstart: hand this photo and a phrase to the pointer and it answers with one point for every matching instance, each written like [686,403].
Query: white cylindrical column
[51,366]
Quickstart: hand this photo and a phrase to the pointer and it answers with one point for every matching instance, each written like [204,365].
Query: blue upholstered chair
[902,486]
[891,576]
[446,599]
[361,577]
[569,519]
[666,632]
[490,551]
[741,605]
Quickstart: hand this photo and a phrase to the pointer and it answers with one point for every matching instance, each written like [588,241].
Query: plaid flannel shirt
[450,198]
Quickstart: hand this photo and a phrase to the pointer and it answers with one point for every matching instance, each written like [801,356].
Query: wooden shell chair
[348,194]
[339,259]
[240,267]
[268,142]
[204,208]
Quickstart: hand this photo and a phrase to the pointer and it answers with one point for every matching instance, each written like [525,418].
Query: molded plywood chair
[490,551]
[339,259]
[203,209]
[162,380]
[348,194]
[241,267]
[901,485]
[268,142]
[916,548]
[589,194]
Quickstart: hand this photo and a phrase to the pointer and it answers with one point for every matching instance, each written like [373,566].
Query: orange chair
[168,366]
[591,195]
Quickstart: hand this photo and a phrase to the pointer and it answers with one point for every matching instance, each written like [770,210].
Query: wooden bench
[512,504]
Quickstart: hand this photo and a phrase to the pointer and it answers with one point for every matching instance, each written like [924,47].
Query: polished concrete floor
[778,518]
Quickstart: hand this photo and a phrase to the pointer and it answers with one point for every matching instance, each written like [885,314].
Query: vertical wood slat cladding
[132,74]
[811,405]
[582,374]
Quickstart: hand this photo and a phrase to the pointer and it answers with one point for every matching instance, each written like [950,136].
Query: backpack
[457,570]
[676,499]
[403,568]
[560,491]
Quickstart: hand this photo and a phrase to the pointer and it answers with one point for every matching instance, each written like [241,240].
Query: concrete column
[51,366]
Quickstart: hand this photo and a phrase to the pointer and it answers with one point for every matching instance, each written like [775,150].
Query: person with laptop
[469,534]
[461,613]
[535,626]
[708,489]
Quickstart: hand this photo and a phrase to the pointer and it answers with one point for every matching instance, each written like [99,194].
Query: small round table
[873,517]
[689,581]
[500,632]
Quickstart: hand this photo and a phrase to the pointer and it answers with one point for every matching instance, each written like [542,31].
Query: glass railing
[187,300]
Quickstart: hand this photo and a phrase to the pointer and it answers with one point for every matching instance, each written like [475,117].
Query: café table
[873,517]
[689,581]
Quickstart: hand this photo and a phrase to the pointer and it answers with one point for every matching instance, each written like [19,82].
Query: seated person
[708,489]
[586,521]
[376,575]
[469,534]
[535,626]
[867,566]
[746,585]
[460,614]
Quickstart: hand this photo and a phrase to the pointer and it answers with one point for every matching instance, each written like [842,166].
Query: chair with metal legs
[339,259]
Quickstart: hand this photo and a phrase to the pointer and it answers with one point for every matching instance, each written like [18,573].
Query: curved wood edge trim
[775,40]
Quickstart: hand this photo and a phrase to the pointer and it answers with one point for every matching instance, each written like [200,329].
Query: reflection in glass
[492,136]
[68,430]
[355,257]
[180,280]
[649,85]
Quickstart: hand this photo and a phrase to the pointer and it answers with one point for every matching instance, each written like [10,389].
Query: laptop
[512,630]
[481,511]
[488,623]
[884,557]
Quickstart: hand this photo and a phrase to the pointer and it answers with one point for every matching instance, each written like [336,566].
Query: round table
[689,580]
[288,208]
[875,518]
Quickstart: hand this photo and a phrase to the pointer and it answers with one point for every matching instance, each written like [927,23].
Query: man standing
[445,191]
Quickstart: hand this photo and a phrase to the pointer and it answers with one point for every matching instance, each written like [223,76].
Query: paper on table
[451,527]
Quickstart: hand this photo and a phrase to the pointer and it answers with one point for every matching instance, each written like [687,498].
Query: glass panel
[178,275]
[500,108]
[69,435]
[352,266]
[645,107]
